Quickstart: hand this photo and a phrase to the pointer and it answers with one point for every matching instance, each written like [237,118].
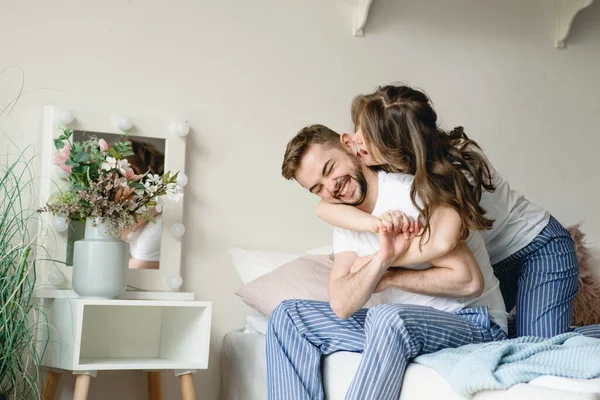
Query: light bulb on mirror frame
[179,128]
[124,123]
[60,173]
[59,224]
[174,281]
[182,179]
[65,117]
[56,278]
[177,230]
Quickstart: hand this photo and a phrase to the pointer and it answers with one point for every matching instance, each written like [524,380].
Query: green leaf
[137,185]
[59,144]
[72,163]
[81,157]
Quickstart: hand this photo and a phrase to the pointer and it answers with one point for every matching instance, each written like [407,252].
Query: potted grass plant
[21,348]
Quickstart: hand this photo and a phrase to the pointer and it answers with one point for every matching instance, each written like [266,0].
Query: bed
[244,377]
[270,277]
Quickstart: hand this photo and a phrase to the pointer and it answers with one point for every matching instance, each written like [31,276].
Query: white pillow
[256,324]
[252,264]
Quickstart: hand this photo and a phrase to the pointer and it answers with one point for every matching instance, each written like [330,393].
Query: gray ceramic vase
[100,264]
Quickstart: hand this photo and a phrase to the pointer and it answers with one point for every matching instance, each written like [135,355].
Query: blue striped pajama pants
[389,336]
[541,280]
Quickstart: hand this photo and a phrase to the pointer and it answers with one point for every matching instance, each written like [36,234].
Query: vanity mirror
[158,146]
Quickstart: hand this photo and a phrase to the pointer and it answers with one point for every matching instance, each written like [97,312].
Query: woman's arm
[142,264]
[347,217]
[444,235]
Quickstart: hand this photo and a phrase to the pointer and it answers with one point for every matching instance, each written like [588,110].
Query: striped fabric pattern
[592,331]
[541,280]
[389,336]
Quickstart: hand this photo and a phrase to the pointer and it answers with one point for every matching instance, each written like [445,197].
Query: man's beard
[361,181]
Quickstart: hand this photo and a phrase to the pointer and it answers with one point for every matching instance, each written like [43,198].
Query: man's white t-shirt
[394,194]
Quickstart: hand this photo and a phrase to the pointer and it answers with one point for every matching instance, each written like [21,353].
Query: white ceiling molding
[361,14]
[566,10]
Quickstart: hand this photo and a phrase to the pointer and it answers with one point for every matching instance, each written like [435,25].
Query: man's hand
[387,248]
[393,245]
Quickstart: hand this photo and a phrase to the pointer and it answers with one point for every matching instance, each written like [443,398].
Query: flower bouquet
[103,186]
[109,196]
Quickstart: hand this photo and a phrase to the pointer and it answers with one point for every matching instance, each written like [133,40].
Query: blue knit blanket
[500,365]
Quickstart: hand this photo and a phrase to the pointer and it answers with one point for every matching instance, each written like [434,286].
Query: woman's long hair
[146,158]
[399,125]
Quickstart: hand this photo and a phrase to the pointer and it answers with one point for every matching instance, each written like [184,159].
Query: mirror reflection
[144,237]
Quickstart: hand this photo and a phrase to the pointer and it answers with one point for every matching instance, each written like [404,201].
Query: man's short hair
[297,147]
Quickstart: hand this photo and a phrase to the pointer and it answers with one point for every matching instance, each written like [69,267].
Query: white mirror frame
[55,243]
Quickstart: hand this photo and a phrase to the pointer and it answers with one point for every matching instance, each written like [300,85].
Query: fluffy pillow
[303,278]
[586,308]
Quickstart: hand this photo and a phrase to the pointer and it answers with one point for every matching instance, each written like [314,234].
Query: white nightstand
[151,331]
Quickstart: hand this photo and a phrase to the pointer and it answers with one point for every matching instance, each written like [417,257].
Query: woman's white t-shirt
[517,221]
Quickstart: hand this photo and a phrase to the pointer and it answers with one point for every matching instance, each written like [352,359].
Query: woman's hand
[396,222]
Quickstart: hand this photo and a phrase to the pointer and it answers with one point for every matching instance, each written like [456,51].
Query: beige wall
[249,74]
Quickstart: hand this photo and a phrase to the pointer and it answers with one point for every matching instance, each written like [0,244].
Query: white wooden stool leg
[51,381]
[82,384]
[187,384]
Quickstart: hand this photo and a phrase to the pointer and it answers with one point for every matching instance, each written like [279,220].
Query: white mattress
[243,367]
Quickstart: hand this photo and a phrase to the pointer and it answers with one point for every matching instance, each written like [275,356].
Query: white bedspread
[243,368]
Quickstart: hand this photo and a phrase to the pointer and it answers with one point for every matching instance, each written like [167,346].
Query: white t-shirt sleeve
[343,240]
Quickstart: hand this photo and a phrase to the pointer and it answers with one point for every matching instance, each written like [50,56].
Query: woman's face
[368,157]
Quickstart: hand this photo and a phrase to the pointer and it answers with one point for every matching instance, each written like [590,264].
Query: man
[453,303]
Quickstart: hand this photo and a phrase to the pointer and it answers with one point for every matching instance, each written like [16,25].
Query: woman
[145,237]
[532,253]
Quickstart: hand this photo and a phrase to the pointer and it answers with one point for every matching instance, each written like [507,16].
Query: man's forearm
[456,274]
[349,293]
[431,282]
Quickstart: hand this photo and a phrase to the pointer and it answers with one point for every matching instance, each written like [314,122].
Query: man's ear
[348,144]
